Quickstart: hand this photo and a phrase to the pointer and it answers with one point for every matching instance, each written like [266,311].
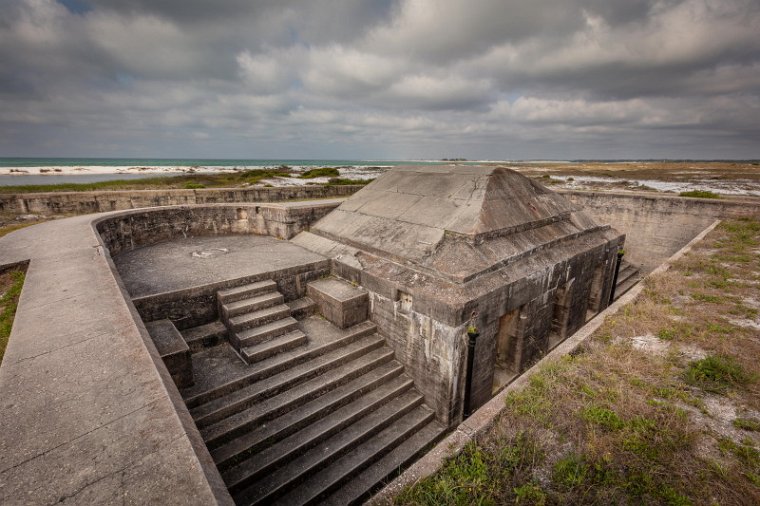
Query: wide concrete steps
[279,363]
[327,417]
[331,465]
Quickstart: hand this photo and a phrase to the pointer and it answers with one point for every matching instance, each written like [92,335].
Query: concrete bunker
[440,248]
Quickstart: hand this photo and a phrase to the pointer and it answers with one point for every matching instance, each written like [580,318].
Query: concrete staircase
[260,324]
[318,419]
[628,276]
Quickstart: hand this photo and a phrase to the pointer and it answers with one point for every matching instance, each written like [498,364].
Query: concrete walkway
[87,416]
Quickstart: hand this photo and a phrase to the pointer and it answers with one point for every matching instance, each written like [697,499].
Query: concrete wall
[656,226]
[127,231]
[101,201]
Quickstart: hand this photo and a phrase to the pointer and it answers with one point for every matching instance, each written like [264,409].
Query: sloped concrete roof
[456,221]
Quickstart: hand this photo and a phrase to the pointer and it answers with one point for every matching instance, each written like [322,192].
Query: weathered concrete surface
[102,201]
[340,303]
[656,226]
[89,412]
[199,261]
[438,248]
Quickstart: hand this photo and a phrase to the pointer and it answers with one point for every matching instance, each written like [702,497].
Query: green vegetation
[320,172]
[10,290]
[338,181]
[188,181]
[615,424]
[701,194]
[750,424]
[716,373]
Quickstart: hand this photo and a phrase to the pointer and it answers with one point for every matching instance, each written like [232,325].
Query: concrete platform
[196,261]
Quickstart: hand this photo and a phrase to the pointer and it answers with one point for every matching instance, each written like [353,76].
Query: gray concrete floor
[197,261]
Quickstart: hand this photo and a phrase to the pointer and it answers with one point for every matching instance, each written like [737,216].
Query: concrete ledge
[173,350]
[484,418]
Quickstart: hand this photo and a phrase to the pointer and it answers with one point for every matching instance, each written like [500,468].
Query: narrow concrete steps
[246,291]
[360,486]
[261,333]
[204,336]
[281,362]
[258,317]
[251,304]
[307,425]
[621,289]
[628,276]
[627,271]
[242,421]
[335,459]
[274,346]
[243,398]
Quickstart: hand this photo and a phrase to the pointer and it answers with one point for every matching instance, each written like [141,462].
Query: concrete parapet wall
[102,201]
[656,226]
[126,231]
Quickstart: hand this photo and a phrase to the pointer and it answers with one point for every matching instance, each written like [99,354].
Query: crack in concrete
[72,440]
[24,359]
[128,465]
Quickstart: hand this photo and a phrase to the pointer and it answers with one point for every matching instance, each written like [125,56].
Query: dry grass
[662,406]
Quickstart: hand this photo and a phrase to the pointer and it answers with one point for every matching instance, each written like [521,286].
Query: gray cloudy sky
[386,79]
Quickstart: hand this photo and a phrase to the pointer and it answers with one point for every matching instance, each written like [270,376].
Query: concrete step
[261,351]
[301,308]
[245,291]
[281,362]
[397,418]
[255,461]
[262,333]
[223,418]
[625,274]
[205,336]
[620,289]
[361,486]
[251,304]
[173,349]
[258,317]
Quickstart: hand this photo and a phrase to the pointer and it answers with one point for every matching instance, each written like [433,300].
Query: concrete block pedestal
[341,303]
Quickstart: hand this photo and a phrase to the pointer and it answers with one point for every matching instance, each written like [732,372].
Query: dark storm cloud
[405,78]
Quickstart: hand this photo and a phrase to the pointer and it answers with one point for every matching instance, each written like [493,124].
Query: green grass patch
[716,373]
[700,194]
[603,417]
[320,172]
[477,476]
[750,424]
[8,305]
